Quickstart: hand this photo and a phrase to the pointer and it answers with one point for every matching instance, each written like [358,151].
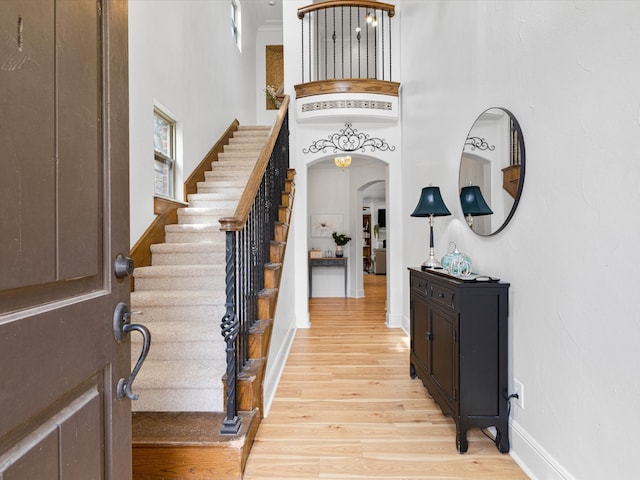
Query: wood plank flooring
[346,407]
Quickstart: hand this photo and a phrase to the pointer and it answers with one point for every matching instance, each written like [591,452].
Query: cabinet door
[444,356]
[420,345]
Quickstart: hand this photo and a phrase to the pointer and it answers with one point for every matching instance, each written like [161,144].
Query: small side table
[328,262]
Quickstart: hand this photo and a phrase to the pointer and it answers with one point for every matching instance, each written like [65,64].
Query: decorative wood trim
[347,85]
[191,184]
[167,211]
[235,223]
[390,9]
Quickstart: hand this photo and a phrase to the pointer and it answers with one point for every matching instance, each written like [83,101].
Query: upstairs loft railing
[249,233]
[346,39]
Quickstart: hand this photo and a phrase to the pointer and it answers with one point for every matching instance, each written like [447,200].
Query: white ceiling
[266,12]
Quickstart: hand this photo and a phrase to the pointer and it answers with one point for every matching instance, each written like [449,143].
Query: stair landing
[188,445]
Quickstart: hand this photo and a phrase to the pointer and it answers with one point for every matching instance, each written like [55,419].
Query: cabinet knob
[428,336]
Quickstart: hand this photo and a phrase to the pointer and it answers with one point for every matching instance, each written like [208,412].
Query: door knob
[122,266]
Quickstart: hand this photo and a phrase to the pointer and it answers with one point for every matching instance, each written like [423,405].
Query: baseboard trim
[536,462]
[395,321]
[275,368]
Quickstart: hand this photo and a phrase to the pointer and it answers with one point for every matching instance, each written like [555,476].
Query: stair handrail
[249,233]
[239,218]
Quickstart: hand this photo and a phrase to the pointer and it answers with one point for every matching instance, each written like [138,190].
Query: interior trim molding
[536,462]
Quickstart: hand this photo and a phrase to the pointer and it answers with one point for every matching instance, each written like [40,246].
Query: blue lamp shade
[473,203]
[430,203]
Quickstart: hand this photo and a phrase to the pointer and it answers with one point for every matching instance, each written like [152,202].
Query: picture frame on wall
[323,225]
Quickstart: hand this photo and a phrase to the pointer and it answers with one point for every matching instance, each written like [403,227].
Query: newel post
[230,327]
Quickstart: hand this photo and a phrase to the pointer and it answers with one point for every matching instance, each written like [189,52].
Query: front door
[64,215]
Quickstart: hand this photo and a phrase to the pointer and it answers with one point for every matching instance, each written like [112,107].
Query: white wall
[182,55]
[569,71]
[267,35]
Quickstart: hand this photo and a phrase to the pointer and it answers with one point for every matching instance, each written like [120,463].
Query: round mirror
[491,171]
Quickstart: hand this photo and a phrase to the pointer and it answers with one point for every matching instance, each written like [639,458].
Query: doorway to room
[352,200]
[374,229]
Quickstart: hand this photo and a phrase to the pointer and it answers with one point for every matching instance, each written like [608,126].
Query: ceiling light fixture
[342,162]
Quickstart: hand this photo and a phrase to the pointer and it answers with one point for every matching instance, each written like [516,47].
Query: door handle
[428,336]
[121,327]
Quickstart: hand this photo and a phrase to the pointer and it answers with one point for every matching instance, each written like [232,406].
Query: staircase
[177,421]
[182,294]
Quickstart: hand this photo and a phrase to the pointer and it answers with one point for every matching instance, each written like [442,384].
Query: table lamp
[431,205]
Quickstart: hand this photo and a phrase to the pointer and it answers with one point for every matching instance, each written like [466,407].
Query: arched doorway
[339,196]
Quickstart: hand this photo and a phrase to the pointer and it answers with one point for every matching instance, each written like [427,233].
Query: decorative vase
[456,263]
[339,252]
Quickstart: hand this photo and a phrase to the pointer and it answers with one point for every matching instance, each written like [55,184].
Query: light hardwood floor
[347,408]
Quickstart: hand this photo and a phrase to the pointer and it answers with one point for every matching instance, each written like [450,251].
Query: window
[164,149]
[235,22]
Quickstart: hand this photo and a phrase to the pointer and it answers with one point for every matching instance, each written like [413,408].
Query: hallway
[347,408]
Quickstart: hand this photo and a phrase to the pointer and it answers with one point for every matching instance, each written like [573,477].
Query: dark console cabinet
[459,348]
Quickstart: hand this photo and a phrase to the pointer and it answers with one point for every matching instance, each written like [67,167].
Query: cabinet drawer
[419,285]
[442,295]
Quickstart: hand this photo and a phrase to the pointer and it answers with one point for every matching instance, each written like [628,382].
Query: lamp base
[431,262]
[429,265]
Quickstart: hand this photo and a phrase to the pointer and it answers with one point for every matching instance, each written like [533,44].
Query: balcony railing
[346,39]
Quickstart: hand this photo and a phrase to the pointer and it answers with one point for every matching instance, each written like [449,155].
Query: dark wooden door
[444,355]
[64,217]
[420,333]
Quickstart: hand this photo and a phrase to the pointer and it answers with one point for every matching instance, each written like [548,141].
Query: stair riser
[197,258]
[195,237]
[210,187]
[244,165]
[196,400]
[214,283]
[163,351]
[180,374]
[175,283]
[229,194]
[230,157]
[257,139]
[184,314]
[225,175]
[200,219]
[243,147]
[204,203]
[221,186]
[203,248]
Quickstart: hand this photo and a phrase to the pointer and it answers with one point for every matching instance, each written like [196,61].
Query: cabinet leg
[412,371]
[461,441]
[502,438]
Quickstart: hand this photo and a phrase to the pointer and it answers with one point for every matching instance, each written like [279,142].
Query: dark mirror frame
[511,158]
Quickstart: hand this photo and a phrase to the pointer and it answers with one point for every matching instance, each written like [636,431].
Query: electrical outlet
[518,388]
